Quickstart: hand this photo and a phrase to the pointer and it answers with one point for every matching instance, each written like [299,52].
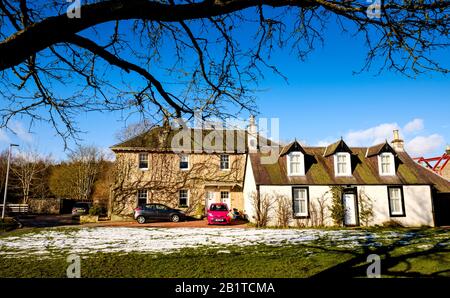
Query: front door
[225,198]
[349,201]
[210,198]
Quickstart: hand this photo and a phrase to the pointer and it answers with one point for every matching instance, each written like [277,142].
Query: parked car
[81,208]
[158,212]
[218,213]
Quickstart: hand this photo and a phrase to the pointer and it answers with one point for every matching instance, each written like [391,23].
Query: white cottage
[373,186]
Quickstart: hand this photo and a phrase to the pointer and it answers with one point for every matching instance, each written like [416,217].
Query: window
[142,197]
[143,161]
[224,162]
[386,164]
[301,201]
[342,164]
[396,202]
[184,162]
[224,196]
[296,164]
[184,196]
[161,207]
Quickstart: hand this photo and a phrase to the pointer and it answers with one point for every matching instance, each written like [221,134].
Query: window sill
[301,216]
[143,169]
[398,215]
[296,175]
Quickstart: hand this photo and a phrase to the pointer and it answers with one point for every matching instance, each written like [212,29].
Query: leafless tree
[262,206]
[28,167]
[283,210]
[86,161]
[133,130]
[172,58]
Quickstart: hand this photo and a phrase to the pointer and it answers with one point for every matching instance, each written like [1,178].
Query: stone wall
[164,178]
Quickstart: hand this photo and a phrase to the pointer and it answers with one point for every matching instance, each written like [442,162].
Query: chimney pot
[397,143]
[447,150]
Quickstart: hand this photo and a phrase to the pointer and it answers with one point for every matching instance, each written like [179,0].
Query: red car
[218,214]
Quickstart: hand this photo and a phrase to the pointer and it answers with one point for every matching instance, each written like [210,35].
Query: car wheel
[141,219]
[175,218]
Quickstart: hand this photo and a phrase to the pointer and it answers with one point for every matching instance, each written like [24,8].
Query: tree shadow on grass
[390,256]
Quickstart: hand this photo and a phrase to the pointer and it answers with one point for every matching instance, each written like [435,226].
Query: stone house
[183,168]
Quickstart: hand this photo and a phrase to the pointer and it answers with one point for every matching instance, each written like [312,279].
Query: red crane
[436,164]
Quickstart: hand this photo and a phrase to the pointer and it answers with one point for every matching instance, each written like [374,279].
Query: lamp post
[6,182]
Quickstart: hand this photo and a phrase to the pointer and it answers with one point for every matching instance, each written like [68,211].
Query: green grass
[426,254]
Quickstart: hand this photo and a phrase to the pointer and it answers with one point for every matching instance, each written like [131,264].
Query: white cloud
[371,136]
[423,145]
[21,132]
[418,146]
[414,126]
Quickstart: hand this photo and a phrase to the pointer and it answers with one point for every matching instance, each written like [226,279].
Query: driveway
[167,224]
[42,221]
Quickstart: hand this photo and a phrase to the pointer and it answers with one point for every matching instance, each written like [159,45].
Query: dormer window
[342,164]
[296,164]
[386,164]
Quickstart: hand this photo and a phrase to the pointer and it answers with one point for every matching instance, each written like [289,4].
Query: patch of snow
[163,240]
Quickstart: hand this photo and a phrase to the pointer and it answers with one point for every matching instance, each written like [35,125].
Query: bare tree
[172,58]
[284,210]
[262,205]
[133,130]
[28,167]
[86,161]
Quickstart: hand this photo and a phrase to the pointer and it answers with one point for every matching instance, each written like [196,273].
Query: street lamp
[7,176]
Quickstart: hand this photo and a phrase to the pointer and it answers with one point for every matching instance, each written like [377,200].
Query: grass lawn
[409,253]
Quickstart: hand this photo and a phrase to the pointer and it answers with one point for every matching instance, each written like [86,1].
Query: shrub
[96,210]
[392,224]
[337,206]
[8,224]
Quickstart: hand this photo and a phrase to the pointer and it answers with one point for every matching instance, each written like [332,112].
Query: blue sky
[322,101]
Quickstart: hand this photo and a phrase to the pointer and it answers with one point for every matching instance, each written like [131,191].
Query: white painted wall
[418,203]
[249,190]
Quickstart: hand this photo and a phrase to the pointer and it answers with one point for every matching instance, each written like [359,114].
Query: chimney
[397,143]
[447,150]
[252,131]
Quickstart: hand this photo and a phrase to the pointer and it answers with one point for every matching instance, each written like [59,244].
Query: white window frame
[348,166]
[220,162]
[306,199]
[187,160]
[402,212]
[139,161]
[187,198]
[391,171]
[139,192]
[302,164]
[224,192]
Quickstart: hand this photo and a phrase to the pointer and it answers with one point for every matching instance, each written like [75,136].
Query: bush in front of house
[96,210]
[8,224]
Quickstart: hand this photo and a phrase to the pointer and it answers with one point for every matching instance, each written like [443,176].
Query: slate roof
[319,170]
[159,139]
[380,148]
